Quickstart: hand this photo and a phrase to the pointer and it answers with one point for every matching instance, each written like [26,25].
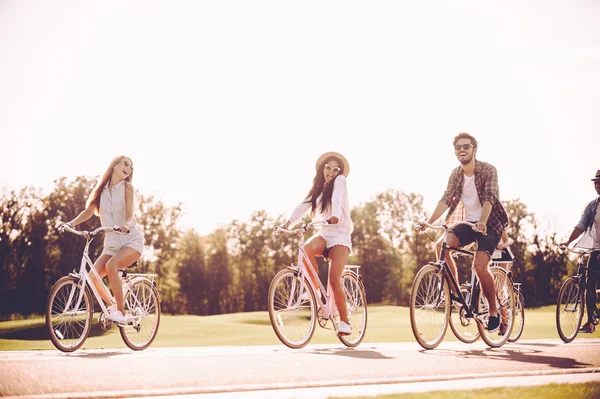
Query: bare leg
[486,280]
[100,266]
[452,241]
[314,247]
[339,256]
[125,257]
[506,266]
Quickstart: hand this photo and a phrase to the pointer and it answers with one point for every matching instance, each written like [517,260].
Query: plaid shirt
[486,182]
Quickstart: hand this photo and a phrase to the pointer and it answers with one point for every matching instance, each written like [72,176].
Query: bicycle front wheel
[505,303]
[69,314]
[463,327]
[142,306]
[569,309]
[519,318]
[429,308]
[356,306]
[292,309]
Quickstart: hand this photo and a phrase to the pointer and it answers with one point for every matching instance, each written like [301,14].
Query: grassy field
[550,391]
[385,324]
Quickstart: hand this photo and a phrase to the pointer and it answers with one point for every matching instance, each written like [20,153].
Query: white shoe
[117,317]
[305,297]
[344,329]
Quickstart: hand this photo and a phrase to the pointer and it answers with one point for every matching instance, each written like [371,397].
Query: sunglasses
[458,147]
[334,169]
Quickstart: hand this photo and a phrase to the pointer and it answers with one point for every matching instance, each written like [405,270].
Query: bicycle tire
[519,325]
[294,321]
[505,301]
[569,309]
[356,306]
[68,328]
[429,308]
[141,300]
[464,328]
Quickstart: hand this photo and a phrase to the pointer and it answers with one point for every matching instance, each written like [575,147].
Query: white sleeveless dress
[113,213]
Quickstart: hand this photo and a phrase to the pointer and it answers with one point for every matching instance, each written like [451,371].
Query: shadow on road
[519,355]
[96,355]
[352,352]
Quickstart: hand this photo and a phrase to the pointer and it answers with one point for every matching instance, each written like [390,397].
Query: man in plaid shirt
[473,195]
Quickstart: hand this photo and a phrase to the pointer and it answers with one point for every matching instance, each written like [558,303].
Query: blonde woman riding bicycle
[112,200]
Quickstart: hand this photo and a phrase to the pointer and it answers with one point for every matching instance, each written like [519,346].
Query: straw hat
[337,155]
[597,176]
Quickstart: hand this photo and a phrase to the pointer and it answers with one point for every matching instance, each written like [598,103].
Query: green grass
[385,324]
[589,390]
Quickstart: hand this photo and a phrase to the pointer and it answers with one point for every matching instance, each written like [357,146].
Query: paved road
[217,370]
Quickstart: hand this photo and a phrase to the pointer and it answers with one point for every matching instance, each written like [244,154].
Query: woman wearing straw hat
[327,201]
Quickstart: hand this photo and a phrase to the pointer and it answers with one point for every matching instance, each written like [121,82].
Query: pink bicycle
[295,304]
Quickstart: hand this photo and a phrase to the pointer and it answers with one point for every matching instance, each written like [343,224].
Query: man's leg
[452,241]
[486,280]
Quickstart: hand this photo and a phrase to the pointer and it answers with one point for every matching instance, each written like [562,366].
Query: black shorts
[486,243]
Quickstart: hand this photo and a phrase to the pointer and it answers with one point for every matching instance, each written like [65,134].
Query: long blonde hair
[94,198]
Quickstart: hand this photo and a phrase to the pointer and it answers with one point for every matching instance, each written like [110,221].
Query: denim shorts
[466,236]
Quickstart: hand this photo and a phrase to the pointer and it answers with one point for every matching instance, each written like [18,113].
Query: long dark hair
[317,187]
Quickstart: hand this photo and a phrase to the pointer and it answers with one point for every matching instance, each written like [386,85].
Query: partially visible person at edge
[112,199]
[589,226]
[327,201]
[474,186]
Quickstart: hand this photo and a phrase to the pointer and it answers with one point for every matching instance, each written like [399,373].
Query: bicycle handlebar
[419,225]
[575,250]
[302,229]
[115,229]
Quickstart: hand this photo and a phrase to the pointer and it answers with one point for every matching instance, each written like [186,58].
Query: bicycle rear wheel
[505,303]
[292,309]
[429,308]
[142,304]
[569,309]
[356,305]
[519,319]
[463,327]
[68,322]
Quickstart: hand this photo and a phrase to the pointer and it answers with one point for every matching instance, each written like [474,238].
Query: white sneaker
[305,297]
[344,329]
[117,317]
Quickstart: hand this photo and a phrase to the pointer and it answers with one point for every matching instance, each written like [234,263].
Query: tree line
[230,269]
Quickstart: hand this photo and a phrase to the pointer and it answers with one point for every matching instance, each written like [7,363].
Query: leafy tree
[191,273]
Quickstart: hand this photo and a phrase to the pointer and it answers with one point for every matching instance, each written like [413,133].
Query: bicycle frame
[85,277]
[306,271]
[471,306]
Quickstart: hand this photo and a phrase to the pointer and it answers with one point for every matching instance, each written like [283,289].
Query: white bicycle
[70,309]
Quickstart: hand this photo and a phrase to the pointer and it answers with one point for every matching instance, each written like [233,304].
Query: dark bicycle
[571,297]
[430,303]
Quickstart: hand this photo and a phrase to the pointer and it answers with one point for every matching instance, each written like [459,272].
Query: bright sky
[226,105]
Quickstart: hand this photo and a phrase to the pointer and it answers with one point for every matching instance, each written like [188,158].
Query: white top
[113,212]
[470,200]
[340,208]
